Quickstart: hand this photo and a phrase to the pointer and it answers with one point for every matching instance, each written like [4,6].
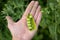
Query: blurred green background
[49,28]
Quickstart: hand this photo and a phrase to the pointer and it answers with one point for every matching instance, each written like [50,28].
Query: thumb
[9,20]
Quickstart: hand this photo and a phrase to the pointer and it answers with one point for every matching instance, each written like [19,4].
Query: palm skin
[19,30]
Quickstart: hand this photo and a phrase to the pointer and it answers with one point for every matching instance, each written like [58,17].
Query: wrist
[18,38]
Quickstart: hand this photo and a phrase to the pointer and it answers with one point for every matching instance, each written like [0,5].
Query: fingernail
[32,1]
[36,2]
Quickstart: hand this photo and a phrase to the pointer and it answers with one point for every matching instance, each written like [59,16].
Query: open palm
[20,29]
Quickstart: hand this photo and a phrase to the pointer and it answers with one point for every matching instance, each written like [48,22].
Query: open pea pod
[31,22]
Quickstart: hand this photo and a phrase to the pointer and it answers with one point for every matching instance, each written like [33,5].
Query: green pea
[28,19]
[29,25]
[30,16]
[30,28]
[28,22]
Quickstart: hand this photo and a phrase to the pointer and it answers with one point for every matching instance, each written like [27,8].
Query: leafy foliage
[49,26]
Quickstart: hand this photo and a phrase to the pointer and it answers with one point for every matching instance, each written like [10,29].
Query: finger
[37,13]
[9,19]
[38,18]
[28,9]
[34,8]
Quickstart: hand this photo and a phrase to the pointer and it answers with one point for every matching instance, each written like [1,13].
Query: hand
[19,30]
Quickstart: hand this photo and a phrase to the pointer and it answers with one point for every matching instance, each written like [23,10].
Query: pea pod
[30,22]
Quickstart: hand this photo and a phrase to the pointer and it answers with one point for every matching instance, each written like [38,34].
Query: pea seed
[30,16]
[28,19]
[28,22]
[30,27]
